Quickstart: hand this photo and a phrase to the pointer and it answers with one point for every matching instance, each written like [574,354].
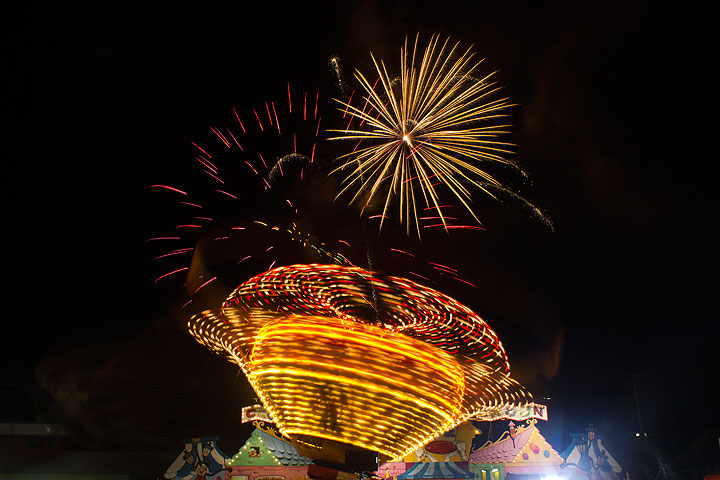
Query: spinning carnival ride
[342,354]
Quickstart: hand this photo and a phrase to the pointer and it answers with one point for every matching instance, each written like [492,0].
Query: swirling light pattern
[345,354]
[431,129]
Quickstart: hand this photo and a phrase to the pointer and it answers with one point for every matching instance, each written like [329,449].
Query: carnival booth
[201,459]
[443,458]
[267,456]
[587,458]
[520,452]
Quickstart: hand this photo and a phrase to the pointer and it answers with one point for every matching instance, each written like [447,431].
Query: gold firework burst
[433,127]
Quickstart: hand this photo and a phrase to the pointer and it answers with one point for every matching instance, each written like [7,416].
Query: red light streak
[214,176]
[437,218]
[161,238]
[455,227]
[348,104]
[234,139]
[277,122]
[461,280]
[418,275]
[441,266]
[289,102]
[253,168]
[206,164]
[258,119]
[170,273]
[239,121]
[169,188]
[438,207]
[226,193]
[198,147]
[204,284]
[267,107]
[174,252]
[220,136]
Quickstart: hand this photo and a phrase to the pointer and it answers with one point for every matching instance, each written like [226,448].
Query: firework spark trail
[334,64]
[175,252]
[173,189]
[170,273]
[534,211]
[250,143]
[437,121]
[239,121]
[289,132]
[205,284]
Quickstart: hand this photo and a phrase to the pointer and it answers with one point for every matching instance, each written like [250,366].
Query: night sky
[613,120]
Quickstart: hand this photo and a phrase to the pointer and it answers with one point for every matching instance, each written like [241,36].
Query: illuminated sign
[255,412]
[522,412]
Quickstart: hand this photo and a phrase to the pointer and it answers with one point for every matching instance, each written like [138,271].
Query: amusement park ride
[345,380]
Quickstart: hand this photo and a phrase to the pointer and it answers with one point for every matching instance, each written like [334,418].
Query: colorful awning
[422,470]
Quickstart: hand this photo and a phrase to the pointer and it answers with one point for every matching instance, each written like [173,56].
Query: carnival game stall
[201,459]
[586,457]
[520,452]
[267,456]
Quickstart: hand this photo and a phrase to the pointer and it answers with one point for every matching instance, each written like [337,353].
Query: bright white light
[552,477]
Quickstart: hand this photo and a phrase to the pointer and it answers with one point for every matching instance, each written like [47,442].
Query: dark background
[614,117]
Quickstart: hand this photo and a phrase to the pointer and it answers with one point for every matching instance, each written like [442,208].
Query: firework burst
[429,130]
[259,164]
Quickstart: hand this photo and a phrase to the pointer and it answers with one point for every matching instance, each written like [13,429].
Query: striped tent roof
[422,470]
